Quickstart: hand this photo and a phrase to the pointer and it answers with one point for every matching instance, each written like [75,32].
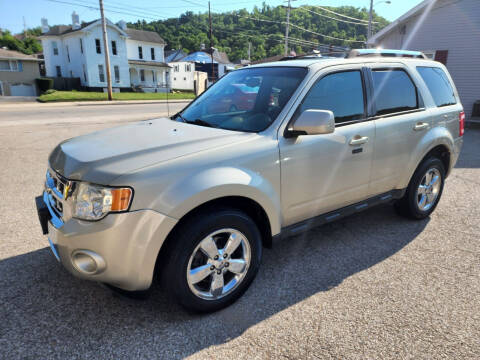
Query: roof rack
[386,53]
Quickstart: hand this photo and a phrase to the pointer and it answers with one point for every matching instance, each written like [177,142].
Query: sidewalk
[31,101]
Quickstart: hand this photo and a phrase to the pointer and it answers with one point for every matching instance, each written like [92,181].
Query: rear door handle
[358,140]
[420,126]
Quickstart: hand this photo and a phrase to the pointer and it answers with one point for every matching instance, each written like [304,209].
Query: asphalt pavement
[373,285]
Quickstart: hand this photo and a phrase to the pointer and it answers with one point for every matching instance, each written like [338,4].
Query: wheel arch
[438,142]
[247,205]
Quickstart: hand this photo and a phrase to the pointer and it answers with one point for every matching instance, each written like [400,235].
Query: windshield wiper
[199,122]
[180,116]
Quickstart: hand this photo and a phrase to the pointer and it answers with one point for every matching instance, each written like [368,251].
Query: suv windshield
[245,100]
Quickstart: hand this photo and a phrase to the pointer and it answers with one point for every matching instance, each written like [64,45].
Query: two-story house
[77,50]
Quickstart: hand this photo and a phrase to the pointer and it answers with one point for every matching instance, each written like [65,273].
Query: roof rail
[385,53]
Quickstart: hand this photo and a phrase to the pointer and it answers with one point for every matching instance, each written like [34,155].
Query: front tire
[212,260]
[424,190]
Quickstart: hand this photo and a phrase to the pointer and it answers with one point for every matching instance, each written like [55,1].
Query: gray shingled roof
[65,29]
[142,35]
[16,55]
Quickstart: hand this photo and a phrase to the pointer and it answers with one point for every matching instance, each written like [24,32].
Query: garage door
[22,90]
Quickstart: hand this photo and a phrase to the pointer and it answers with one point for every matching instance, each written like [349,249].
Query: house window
[140,52]
[114,47]
[101,74]
[84,73]
[176,68]
[184,79]
[116,70]
[68,54]
[152,53]
[11,65]
[4,65]
[59,71]
[81,45]
[55,48]
[142,75]
[98,46]
[188,67]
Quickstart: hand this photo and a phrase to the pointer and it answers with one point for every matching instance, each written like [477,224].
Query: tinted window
[438,84]
[342,93]
[249,99]
[393,91]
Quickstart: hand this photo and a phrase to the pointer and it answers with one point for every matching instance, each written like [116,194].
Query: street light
[370,28]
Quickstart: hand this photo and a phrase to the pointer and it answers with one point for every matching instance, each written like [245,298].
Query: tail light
[461,119]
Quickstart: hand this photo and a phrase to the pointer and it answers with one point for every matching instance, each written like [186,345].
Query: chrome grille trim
[54,197]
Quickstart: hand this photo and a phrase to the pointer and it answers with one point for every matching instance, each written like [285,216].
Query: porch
[149,76]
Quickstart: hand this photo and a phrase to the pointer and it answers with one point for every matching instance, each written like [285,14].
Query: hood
[102,156]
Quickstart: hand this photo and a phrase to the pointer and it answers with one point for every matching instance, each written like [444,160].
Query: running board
[323,219]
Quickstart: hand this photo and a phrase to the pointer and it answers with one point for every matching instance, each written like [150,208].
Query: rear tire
[424,190]
[212,260]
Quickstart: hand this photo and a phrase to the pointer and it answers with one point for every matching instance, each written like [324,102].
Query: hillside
[232,31]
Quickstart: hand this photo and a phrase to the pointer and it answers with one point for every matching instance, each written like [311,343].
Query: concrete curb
[4,105]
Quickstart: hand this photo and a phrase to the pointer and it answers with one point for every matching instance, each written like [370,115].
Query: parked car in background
[235,97]
[197,196]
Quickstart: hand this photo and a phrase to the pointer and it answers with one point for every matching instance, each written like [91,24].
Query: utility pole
[287,28]
[211,44]
[24,27]
[370,19]
[107,53]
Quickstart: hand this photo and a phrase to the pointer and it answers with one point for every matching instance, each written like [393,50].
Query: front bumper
[127,243]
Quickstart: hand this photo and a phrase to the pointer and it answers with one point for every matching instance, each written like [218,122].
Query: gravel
[373,285]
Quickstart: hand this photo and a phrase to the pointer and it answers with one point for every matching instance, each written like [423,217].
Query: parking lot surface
[373,285]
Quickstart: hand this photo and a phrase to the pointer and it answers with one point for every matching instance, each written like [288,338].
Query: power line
[341,15]
[328,17]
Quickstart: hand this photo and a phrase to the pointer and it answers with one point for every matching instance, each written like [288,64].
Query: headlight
[93,202]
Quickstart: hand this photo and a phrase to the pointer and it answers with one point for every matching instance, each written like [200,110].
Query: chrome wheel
[428,190]
[218,264]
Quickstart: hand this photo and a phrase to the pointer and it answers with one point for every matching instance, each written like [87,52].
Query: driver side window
[341,93]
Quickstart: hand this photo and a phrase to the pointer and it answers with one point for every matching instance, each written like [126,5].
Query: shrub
[44,84]
[50,91]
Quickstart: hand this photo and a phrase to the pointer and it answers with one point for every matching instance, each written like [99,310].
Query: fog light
[88,262]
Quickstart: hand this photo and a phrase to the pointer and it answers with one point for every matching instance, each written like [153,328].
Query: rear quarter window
[438,85]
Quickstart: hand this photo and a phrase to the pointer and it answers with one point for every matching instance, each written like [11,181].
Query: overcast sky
[13,12]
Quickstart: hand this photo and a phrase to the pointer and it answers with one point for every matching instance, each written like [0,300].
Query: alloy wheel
[429,188]
[218,264]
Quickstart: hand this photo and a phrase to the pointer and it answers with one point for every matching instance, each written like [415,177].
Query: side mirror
[313,122]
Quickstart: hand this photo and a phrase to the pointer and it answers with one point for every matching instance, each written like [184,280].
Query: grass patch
[100,96]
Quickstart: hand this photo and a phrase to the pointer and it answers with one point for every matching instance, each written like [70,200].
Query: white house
[447,31]
[185,77]
[77,50]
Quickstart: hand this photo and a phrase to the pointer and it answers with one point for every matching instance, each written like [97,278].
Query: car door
[401,121]
[321,173]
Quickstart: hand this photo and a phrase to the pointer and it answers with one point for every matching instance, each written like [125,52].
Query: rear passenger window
[393,91]
[341,93]
[438,85]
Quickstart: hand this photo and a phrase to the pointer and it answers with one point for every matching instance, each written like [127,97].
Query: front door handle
[420,126]
[358,140]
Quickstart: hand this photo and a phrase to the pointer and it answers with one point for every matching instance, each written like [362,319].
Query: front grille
[55,187]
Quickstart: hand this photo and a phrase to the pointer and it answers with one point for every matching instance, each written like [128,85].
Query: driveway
[373,285]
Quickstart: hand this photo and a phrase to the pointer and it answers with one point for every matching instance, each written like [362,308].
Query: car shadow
[45,312]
